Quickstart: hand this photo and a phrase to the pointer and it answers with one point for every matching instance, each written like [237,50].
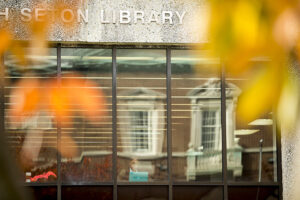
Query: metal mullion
[279,162]
[169,122]
[59,180]
[2,101]
[114,121]
[224,139]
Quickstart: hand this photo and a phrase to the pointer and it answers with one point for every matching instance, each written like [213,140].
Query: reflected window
[209,129]
[196,116]
[206,140]
[141,110]
[141,115]
[140,130]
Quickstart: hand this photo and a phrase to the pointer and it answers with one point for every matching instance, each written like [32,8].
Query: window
[206,112]
[140,124]
[209,129]
[141,130]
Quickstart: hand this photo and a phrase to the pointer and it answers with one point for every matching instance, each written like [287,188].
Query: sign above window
[123,21]
[105,17]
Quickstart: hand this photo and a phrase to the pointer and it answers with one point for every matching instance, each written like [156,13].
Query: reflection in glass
[45,193]
[87,192]
[253,142]
[196,117]
[141,107]
[88,139]
[250,193]
[142,192]
[29,124]
[197,193]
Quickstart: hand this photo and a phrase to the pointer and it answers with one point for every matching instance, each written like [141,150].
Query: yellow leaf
[246,23]
[261,94]
[288,103]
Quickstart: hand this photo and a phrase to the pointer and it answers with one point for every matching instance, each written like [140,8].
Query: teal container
[138,176]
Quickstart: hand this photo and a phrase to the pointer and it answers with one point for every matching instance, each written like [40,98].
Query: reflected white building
[204,156]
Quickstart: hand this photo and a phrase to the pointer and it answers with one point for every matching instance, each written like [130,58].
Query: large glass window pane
[30,126]
[197,193]
[143,192]
[141,115]
[86,133]
[196,116]
[87,192]
[45,193]
[251,145]
[254,192]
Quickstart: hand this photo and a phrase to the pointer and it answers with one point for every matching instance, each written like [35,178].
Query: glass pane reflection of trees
[32,136]
[92,138]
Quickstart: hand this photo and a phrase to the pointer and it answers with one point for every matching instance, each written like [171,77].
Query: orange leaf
[5,40]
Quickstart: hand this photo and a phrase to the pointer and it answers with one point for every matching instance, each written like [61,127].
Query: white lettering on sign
[102,16]
[114,17]
[153,17]
[67,15]
[84,16]
[5,14]
[125,17]
[139,15]
[26,15]
[167,15]
[180,17]
[39,14]
[105,16]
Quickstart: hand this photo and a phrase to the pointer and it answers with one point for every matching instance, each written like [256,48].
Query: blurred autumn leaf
[241,30]
[60,99]
[5,40]
[32,99]
[29,104]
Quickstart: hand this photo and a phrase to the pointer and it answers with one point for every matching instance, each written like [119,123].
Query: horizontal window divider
[253,183]
[36,146]
[123,46]
[175,183]
[121,183]
[137,78]
[204,79]
[109,183]
[35,184]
